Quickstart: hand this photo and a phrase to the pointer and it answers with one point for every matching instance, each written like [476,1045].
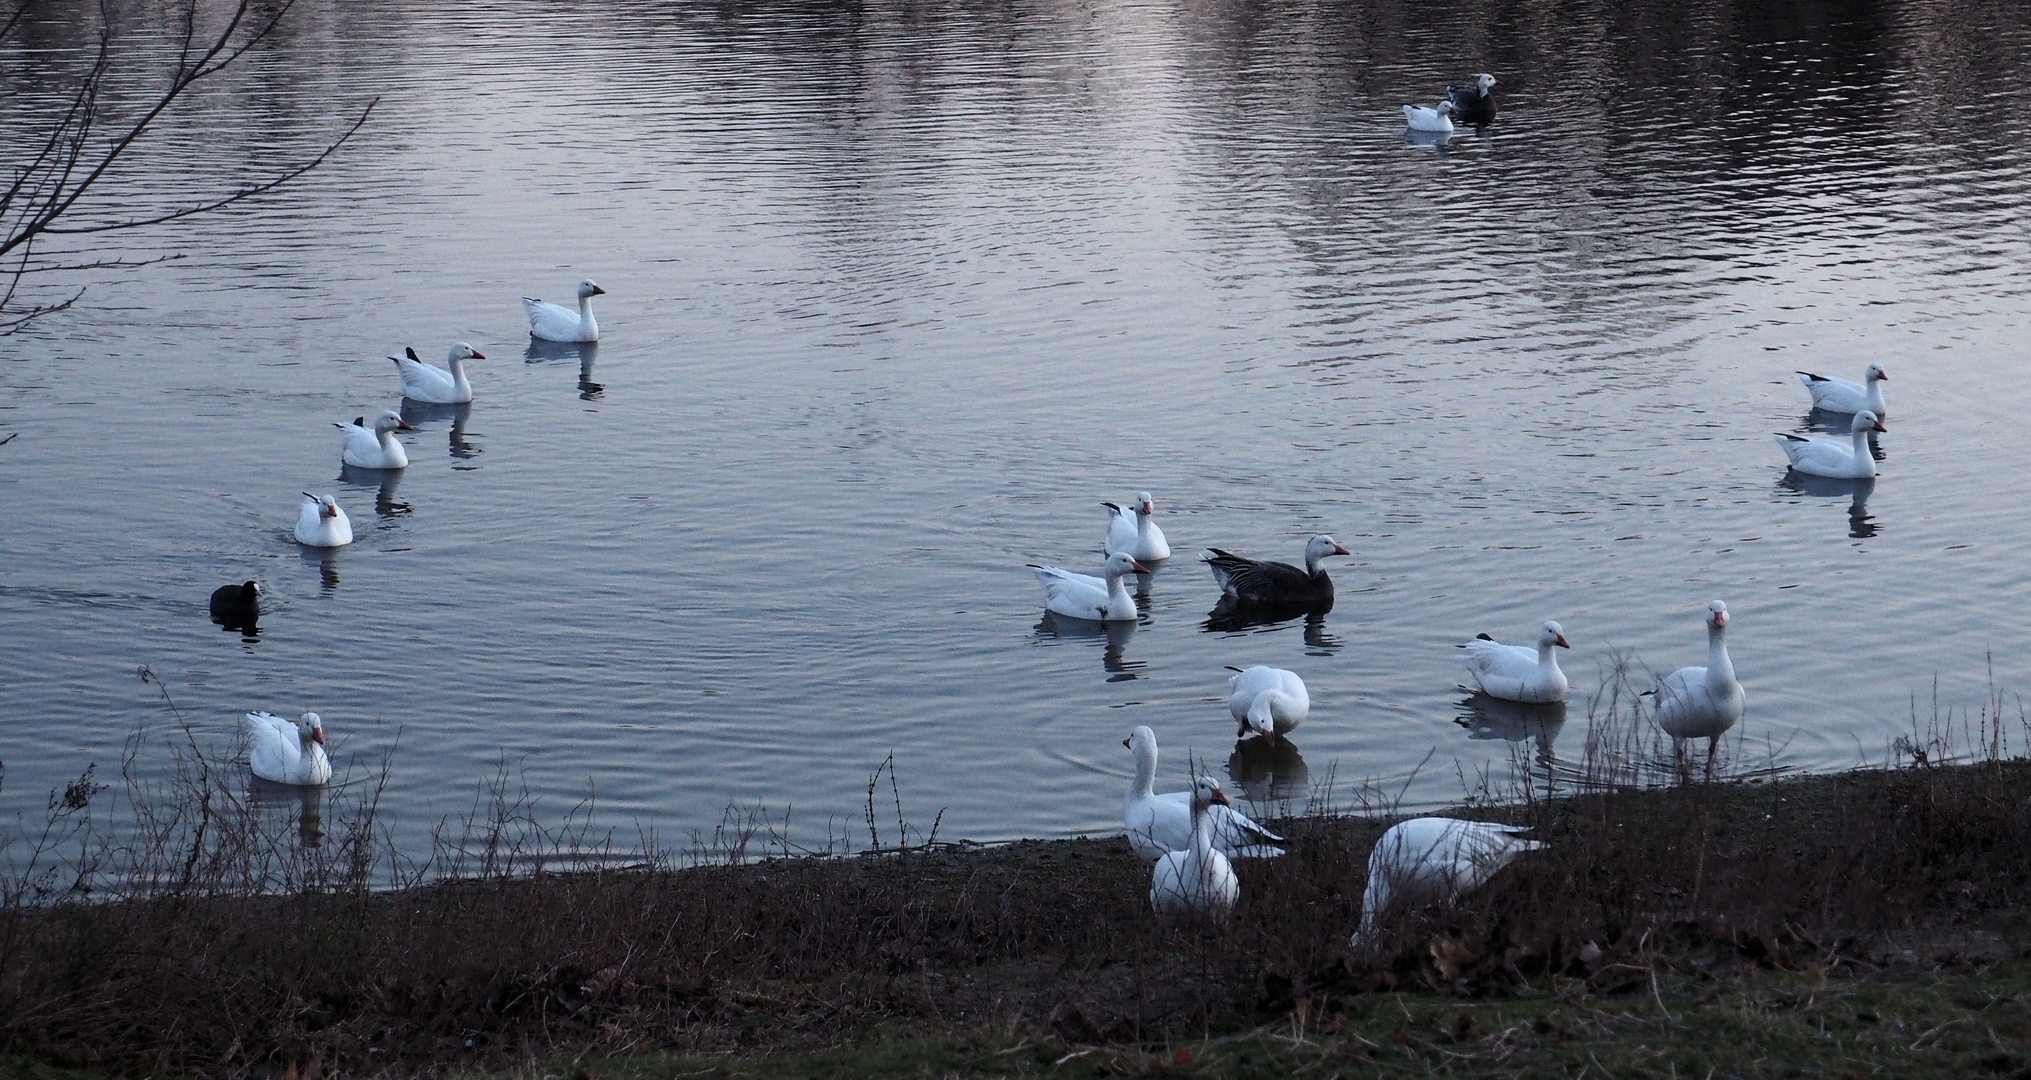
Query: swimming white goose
[1163,823]
[375,446]
[1197,881]
[320,523]
[1435,860]
[1840,395]
[421,382]
[1260,581]
[1474,104]
[553,323]
[1133,531]
[1702,702]
[1083,596]
[1827,457]
[1269,701]
[1438,119]
[285,751]
[1514,673]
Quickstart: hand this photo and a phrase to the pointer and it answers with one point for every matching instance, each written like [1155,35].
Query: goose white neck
[1262,711]
[587,324]
[1117,591]
[1145,771]
[1720,670]
[1547,655]
[1202,830]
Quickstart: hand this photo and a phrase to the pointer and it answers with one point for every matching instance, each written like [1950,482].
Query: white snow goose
[1514,673]
[1268,701]
[287,752]
[1840,395]
[1435,860]
[553,323]
[1438,119]
[1083,596]
[320,523]
[1197,882]
[1158,824]
[433,386]
[1250,581]
[1702,702]
[1132,531]
[1828,457]
[374,446]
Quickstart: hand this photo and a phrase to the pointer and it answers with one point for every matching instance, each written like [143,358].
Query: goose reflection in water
[1437,140]
[1841,424]
[419,415]
[383,481]
[540,351]
[1269,774]
[1230,616]
[306,801]
[1114,635]
[1486,716]
[326,561]
[1861,525]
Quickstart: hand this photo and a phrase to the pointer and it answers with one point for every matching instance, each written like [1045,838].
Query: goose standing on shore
[287,752]
[1133,531]
[1083,596]
[320,523]
[1158,824]
[1702,702]
[1474,104]
[553,323]
[421,382]
[1827,457]
[1437,119]
[1197,882]
[375,446]
[1435,860]
[1268,701]
[1514,673]
[1840,395]
[1250,581]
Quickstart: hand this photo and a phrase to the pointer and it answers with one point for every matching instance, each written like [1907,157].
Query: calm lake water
[898,294]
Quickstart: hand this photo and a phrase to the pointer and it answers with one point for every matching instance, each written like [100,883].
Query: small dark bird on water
[238,603]
[1474,103]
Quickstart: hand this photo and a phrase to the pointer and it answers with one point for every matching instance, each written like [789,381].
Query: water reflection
[326,561]
[1115,635]
[1231,617]
[418,414]
[248,627]
[1488,717]
[1269,774]
[1437,140]
[1861,524]
[540,351]
[306,802]
[383,481]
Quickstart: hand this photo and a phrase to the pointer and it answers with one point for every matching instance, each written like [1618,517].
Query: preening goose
[1435,860]
[1197,881]
[375,446]
[553,323]
[1702,702]
[1263,582]
[1158,824]
[287,752]
[1132,531]
[1514,673]
[1840,395]
[1474,104]
[1828,457]
[320,523]
[1083,596]
[1268,701]
[421,382]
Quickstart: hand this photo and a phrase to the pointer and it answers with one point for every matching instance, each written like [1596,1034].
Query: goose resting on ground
[1514,673]
[1702,702]
[1083,596]
[1474,104]
[1840,395]
[421,382]
[1827,457]
[287,752]
[1278,584]
[553,323]
[1132,530]
[1435,860]
[1158,824]
[1268,701]
[320,523]
[1197,881]
[375,446]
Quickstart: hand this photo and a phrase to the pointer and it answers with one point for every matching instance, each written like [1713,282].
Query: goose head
[589,288]
[1865,421]
[1483,82]
[1550,634]
[1320,547]
[1145,505]
[1121,563]
[1717,616]
[390,421]
[461,351]
[1875,373]
[310,728]
[327,507]
[1206,793]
